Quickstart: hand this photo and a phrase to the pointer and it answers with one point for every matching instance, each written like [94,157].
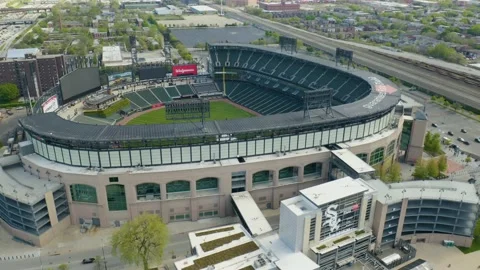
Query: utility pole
[104,259]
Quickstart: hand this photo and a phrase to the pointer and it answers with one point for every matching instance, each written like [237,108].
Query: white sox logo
[332,217]
[183,71]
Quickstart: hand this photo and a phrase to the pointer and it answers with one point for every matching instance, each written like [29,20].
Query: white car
[477,139]
[461,139]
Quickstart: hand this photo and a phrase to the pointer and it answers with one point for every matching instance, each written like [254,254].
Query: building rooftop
[446,190]
[256,221]
[202,8]
[20,53]
[112,54]
[18,184]
[356,163]
[334,190]
[299,205]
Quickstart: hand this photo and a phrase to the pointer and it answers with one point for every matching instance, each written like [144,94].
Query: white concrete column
[52,211]
[275,178]
[300,173]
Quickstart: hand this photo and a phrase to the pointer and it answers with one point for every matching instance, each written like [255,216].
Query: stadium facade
[181,172]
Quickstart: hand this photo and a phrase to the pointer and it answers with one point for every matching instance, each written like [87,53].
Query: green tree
[476,232]
[468,159]
[63,267]
[420,171]
[141,240]
[381,172]
[442,51]
[8,92]
[99,263]
[457,106]
[442,163]
[395,173]
[474,30]
[432,168]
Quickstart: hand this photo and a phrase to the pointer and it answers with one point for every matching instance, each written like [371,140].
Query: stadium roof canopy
[379,101]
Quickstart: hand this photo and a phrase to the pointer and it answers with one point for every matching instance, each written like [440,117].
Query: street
[179,246]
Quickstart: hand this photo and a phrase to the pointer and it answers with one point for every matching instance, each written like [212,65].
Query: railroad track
[457,75]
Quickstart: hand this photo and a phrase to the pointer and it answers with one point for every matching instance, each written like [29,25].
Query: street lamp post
[104,259]
[40,257]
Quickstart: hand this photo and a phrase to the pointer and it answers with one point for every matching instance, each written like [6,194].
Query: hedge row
[222,256]
[211,245]
[14,104]
[115,107]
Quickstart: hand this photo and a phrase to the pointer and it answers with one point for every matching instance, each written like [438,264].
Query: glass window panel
[224,151]
[324,137]
[166,158]
[196,153]
[75,157]
[251,148]
[333,136]
[125,158]
[205,152]
[156,157]
[347,134]
[66,156]
[293,142]
[354,132]
[268,145]
[277,144]
[317,139]
[135,156]
[215,151]
[367,130]
[377,126]
[286,143]
[301,141]
[372,127]
[51,152]
[259,147]
[84,158]
[83,193]
[35,147]
[233,149]
[146,159]
[382,122]
[340,135]
[148,191]
[114,159]
[116,197]
[176,155]
[186,154]
[309,140]
[94,159]
[104,160]
[45,151]
[207,183]
[361,129]
[242,149]
[58,154]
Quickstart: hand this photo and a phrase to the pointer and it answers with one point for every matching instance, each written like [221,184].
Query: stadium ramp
[250,215]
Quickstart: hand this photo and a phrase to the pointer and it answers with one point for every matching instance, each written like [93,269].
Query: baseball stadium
[263,120]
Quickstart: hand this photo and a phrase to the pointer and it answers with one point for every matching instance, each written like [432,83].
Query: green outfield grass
[219,110]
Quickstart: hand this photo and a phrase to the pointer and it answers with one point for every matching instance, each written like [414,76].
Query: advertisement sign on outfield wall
[184,70]
[50,105]
[120,78]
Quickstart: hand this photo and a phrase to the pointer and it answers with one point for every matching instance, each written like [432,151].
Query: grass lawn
[475,246]
[219,110]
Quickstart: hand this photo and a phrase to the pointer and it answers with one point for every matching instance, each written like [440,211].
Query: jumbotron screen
[79,82]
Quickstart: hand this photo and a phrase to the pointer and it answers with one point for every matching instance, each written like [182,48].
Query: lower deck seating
[137,100]
[161,94]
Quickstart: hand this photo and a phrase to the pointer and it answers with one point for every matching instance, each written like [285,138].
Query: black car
[434,125]
[87,261]
[463,130]
[453,146]
[450,133]
[466,143]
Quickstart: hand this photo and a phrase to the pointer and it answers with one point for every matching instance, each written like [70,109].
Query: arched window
[207,183]
[312,169]
[287,172]
[261,176]
[116,197]
[148,191]
[390,148]
[178,186]
[83,193]
[363,156]
[377,156]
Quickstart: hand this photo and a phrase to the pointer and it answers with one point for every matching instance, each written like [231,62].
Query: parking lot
[447,120]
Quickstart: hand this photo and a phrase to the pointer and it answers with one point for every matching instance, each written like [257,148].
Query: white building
[329,222]
[20,53]
[168,10]
[112,56]
[203,9]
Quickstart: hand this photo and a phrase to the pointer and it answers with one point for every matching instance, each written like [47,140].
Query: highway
[453,89]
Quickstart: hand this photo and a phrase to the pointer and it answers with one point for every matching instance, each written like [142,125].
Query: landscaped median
[222,256]
[115,107]
[214,231]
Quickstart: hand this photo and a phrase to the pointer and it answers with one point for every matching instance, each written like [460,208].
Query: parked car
[453,146]
[466,143]
[477,139]
[463,130]
[19,108]
[450,133]
[434,125]
[88,260]
[9,112]
[461,139]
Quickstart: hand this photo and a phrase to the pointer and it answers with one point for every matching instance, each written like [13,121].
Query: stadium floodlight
[188,109]
[318,99]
